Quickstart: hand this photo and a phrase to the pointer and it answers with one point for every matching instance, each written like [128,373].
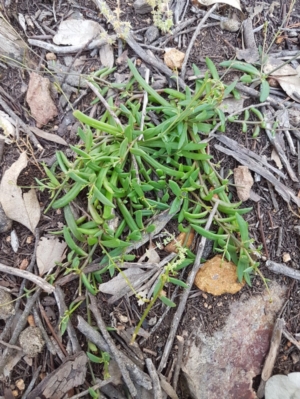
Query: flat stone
[224,364]
[283,386]
[217,277]
[142,7]
[151,34]
[5,222]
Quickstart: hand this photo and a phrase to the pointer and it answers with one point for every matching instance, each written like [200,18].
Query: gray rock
[224,364]
[152,33]
[6,305]
[142,7]
[5,222]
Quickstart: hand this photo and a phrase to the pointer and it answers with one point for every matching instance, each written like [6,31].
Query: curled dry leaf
[243,181]
[76,32]
[174,58]
[107,55]
[275,157]
[23,208]
[48,136]
[49,251]
[232,3]
[183,240]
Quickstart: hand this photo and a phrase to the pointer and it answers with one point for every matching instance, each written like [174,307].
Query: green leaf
[150,228]
[115,243]
[264,90]
[243,228]
[93,358]
[243,264]
[167,301]
[229,88]
[177,282]
[241,66]
[102,198]
[212,68]
[246,78]
[175,205]
[175,188]
[208,234]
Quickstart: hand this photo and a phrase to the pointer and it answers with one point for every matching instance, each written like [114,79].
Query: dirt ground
[204,309]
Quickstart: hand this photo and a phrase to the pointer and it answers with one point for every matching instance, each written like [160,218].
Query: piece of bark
[271,357]
[71,373]
[11,46]
[243,181]
[281,268]
[137,375]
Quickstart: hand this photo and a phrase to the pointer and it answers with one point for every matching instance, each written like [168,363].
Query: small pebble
[50,57]
[31,341]
[142,7]
[5,222]
[7,307]
[232,25]
[152,33]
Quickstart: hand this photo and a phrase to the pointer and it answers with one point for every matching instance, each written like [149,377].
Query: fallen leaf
[286,257]
[49,251]
[23,208]
[106,55]
[273,63]
[119,282]
[181,239]
[232,3]
[218,277]
[24,264]
[48,136]
[76,32]
[250,55]
[39,99]
[230,105]
[22,22]
[6,125]
[275,157]
[243,181]
[291,85]
[151,255]
[174,58]
[14,241]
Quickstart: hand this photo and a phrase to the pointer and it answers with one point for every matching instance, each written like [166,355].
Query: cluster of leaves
[129,175]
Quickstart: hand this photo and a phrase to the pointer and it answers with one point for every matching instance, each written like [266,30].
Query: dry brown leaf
[218,277]
[151,255]
[243,181]
[285,70]
[49,251]
[118,283]
[291,85]
[23,208]
[232,3]
[76,32]
[39,99]
[275,157]
[107,55]
[180,240]
[6,125]
[174,58]
[48,136]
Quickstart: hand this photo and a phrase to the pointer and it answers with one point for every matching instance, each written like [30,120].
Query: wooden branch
[28,276]
[182,305]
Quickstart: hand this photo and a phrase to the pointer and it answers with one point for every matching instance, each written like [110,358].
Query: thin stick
[281,268]
[99,384]
[180,340]
[145,102]
[186,292]
[194,37]
[114,350]
[261,229]
[271,357]
[70,49]
[157,392]
[25,128]
[28,276]
[104,102]
[46,337]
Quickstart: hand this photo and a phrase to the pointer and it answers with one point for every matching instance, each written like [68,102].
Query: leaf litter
[22,208]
